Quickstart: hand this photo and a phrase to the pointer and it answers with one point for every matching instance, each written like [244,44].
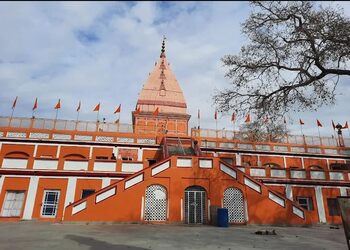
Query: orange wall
[330,193]
[50,184]
[272,159]
[46,150]
[294,162]
[307,192]
[86,184]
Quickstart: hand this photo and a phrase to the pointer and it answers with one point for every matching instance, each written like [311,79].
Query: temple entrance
[195,203]
[155,203]
[234,202]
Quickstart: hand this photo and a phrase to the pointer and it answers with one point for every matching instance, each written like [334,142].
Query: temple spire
[162,54]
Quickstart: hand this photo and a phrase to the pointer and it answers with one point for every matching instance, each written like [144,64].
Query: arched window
[234,202]
[156,203]
[315,167]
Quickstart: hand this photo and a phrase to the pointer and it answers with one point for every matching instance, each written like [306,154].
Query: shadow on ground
[98,244]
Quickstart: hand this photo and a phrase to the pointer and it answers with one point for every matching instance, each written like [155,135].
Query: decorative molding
[61,137]
[276,199]
[106,194]
[83,137]
[252,185]
[16,134]
[105,138]
[39,135]
[79,207]
[160,168]
[133,181]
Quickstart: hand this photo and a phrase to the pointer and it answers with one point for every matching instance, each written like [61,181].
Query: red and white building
[156,170]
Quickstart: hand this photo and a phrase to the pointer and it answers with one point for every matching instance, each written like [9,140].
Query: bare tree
[296,53]
[262,130]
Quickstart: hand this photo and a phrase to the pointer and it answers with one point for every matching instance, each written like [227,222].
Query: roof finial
[162,54]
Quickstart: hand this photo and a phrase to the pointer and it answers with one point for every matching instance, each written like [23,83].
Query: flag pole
[301,128]
[319,134]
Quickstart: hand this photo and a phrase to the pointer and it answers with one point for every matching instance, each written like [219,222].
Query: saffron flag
[247,119]
[346,125]
[97,108]
[78,108]
[233,117]
[58,105]
[119,109]
[216,115]
[14,103]
[301,122]
[333,125]
[319,123]
[156,112]
[35,104]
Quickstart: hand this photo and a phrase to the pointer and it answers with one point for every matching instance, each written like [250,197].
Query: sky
[103,51]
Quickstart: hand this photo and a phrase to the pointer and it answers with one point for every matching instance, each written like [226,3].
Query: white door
[13,204]
[50,203]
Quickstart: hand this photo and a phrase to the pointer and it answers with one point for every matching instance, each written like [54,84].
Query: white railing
[290,139]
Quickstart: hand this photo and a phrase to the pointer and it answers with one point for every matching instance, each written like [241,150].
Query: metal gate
[195,203]
[234,202]
[155,203]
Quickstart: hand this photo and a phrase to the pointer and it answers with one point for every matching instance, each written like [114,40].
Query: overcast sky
[103,51]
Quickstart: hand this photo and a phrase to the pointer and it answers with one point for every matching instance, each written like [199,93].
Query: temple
[158,170]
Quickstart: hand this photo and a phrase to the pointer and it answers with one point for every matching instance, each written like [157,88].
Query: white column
[70,193]
[285,162]
[90,153]
[238,159]
[35,150]
[106,182]
[320,204]
[302,162]
[208,209]
[58,151]
[31,194]
[142,208]
[2,178]
[139,154]
[328,164]
[116,152]
[289,192]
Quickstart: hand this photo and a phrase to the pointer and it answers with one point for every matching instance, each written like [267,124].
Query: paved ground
[35,235]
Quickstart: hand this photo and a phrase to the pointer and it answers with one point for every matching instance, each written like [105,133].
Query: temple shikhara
[157,169]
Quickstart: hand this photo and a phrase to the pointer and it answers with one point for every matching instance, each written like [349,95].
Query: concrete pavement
[98,236]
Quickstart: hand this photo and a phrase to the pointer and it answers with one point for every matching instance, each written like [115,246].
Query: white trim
[285,161]
[31,194]
[238,159]
[133,181]
[208,209]
[228,171]
[106,181]
[139,154]
[106,194]
[142,207]
[58,151]
[160,168]
[289,192]
[298,212]
[302,163]
[35,150]
[320,204]
[90,152]
[182,210]
[70,192]
[2,178]
[79,207]
[276,199]
[252,185]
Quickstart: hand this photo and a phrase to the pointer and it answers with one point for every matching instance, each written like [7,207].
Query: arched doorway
[234,202]
[155,203]
[195,204]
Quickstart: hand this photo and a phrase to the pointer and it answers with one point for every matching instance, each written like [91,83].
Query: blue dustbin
[222,217]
